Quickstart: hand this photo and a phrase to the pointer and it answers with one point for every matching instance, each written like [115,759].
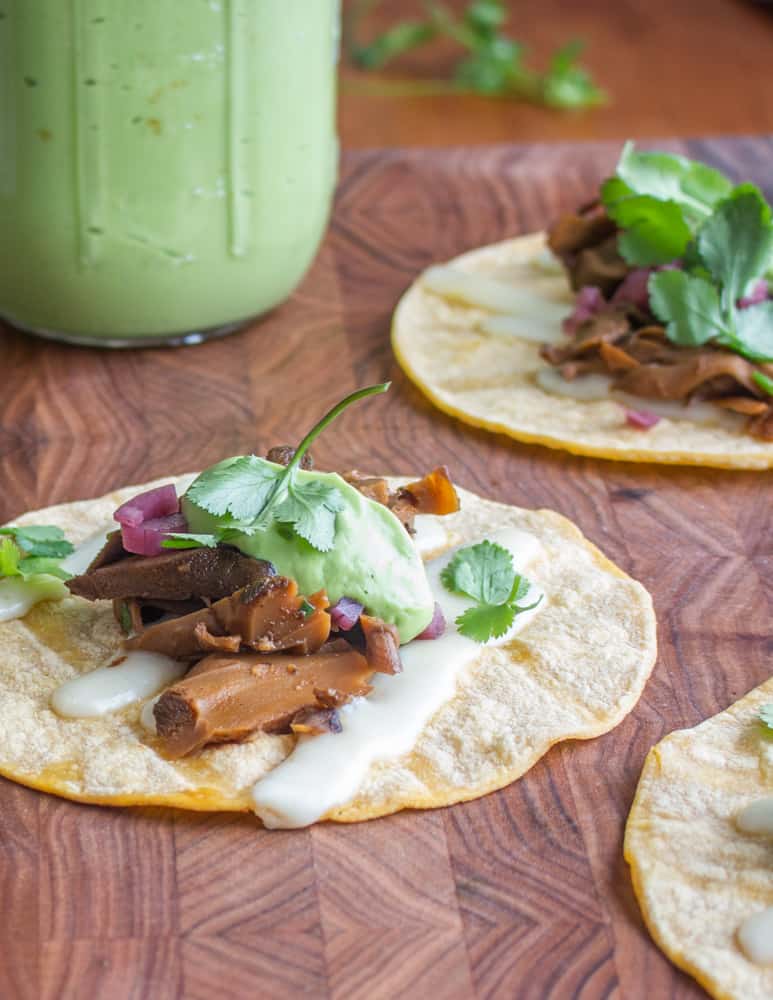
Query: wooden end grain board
[521,894]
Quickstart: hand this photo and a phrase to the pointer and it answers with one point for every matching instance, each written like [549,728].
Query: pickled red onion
[345,613]
[154,503]
[145,539]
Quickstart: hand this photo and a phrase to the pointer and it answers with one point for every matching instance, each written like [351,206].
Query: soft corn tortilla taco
[573,672]
[645,333]
[698,875]
[488,378]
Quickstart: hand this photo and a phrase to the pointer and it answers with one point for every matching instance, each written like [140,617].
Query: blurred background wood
[670,67]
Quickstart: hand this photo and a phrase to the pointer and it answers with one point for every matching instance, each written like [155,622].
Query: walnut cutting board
[521,894]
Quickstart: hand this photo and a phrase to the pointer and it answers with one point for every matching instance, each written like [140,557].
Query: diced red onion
[758,294]
[589,301]
[436,627]
[154,503]
[145,539]
[633,288]
[642,420]
[345,613]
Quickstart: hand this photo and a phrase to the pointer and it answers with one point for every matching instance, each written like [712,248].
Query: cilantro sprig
[33,551]
[766,716]
[494,63]
[672,209]
[250,493]
[485,573]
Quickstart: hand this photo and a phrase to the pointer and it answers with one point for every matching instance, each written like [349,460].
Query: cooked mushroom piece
[271,616]
[177,575]
[228,698]
[283,454]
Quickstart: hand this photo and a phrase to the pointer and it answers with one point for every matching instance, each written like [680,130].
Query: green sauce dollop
[373,560]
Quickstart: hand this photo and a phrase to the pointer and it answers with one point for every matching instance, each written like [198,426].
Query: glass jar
[166,166]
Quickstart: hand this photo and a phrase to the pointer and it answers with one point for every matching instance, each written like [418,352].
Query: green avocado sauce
[373,560]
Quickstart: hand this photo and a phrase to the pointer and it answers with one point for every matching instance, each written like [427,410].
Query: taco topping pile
[266,647]
[671,266]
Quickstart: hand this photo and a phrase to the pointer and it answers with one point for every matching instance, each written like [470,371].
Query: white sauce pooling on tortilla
[430,536]
[757,817]
[585,387]
[138,676]
[598,387]
[495,296]
[755,937]
[147,718]
[546,331]
[325,771]
[546,262]
[17,596]
[84,555]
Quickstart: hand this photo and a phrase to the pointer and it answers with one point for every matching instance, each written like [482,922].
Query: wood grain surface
[670,67]
[521,894]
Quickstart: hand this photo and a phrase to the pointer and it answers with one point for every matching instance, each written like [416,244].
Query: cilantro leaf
[754,332]
[765,383]
[42,565]
[188,540]
[494,62]
[483,572]
[694,186]
[736,242]
[655,232]
[482,622]
[688,305]
[240,488]
[766,715]
[15,562]
[40,540]
[491,621]
[10,557]
[248,493]
[311,509]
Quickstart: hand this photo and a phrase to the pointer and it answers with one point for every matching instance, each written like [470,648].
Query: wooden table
[670,67]
[521,894]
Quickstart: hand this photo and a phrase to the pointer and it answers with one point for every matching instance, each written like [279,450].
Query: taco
[265,636]
[699,841]
[640,328]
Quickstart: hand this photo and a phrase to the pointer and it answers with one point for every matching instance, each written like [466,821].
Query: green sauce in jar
[166,166]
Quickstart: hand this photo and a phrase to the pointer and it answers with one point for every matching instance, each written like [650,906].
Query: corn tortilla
[489,382]
[697,877]
[574,672]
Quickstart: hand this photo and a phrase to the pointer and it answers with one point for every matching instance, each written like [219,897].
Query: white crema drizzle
[755,935]
[326,771]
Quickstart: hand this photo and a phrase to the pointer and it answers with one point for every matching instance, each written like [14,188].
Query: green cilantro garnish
[485,573]
[33,551]
[673,209]
[766,716]
[765,383]
[250,493]
[494,64]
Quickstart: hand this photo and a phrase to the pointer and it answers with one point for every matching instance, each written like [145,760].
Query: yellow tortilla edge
[677,958]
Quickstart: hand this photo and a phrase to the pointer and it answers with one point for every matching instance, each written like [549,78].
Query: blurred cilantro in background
[494,64]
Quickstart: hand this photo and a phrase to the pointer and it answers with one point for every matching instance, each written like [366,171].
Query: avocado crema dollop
[373,559]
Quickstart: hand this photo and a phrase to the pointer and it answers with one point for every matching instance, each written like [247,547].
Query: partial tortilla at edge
[696,876]
[574,673]
[488,381]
